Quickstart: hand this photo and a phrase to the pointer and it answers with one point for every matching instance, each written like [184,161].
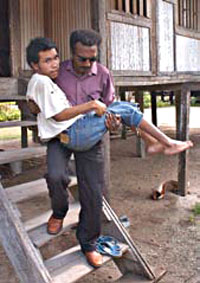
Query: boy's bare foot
[177,147]
[174,148]
[155,148]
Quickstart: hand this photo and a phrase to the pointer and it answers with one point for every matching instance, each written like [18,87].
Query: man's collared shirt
[97,84]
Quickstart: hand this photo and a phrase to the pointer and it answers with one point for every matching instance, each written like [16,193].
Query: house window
[135,7]
[189,14]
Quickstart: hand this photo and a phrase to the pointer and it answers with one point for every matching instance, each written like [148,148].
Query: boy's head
[42,56]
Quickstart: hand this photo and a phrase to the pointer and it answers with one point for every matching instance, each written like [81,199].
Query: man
[82,79]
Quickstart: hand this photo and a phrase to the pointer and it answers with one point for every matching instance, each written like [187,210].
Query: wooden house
[147,44]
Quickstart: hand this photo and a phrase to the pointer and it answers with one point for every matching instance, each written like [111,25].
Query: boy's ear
[35,66]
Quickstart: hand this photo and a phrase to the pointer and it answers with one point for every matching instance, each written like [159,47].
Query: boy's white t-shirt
[51,101]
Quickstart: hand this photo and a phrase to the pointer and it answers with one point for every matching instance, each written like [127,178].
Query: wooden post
[135,7]
[15,43]
[139,98]
[127,6]
[98,14]
[154,108]
[25,259]
[183,134]
[140,147]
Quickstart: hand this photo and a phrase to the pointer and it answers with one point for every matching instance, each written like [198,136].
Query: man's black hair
[35,46]
[86,37]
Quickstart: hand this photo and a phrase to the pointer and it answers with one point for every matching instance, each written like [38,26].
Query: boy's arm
[69,113]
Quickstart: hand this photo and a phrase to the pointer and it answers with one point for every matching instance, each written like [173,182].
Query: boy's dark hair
[35,46]
[87,37]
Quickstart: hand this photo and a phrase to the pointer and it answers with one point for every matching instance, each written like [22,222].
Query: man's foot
[54,225]
[94,258]
[177,147]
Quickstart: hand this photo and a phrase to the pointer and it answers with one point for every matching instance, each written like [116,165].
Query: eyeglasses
[84,59]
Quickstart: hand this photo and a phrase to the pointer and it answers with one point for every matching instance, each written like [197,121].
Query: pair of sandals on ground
[107,245]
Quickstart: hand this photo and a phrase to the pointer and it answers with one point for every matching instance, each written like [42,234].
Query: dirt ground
[166,231]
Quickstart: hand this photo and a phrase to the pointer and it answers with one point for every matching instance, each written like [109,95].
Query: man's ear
[35,66]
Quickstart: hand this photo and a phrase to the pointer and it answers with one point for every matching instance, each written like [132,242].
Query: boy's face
[48,63]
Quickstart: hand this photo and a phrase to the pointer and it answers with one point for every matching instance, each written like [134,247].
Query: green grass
[196,209]
[160,103]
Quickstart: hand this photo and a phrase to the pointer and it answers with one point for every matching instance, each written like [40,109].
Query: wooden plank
[71,265]
[8,87]
[141,8]
[22,192]
[127,6]
[137,261]
[24,257]
[17,124]
[149,9]
[15,36]
[135,7]
[139,21]
[12,155]
[119,5]
[183,134]
[37,227]
[98,14]
[154,107]
[6,97]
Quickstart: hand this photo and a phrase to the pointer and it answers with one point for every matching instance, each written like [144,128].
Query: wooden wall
[32,24]
[129,47]
[66,15]
[54,19]
[187,54]
[165,36]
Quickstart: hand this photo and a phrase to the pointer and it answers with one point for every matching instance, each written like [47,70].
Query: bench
[15,156]
[24,131]
[13,97]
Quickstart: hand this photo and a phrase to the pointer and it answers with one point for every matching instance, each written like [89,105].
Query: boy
[81,127]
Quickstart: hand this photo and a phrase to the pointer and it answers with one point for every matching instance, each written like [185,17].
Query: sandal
[107,245]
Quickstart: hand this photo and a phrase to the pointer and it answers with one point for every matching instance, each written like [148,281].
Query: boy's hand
[99,107]
[34,108]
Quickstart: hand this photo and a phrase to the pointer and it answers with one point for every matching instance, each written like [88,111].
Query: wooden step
[71,265]
[31,189]
[13,155]
[132,278]
[37,227]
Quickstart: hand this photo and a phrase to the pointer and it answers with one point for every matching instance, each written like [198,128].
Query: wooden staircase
[22,241]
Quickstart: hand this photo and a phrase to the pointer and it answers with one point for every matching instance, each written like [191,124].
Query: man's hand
[99,107]
[33,107]
[113,122]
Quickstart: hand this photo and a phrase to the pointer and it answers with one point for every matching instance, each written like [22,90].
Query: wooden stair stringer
[24,257]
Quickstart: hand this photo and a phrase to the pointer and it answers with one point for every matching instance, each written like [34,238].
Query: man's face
[48,63]
[84,57]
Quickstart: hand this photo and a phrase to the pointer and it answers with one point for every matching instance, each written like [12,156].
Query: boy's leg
[86,132]
[131,116]
[170,146]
